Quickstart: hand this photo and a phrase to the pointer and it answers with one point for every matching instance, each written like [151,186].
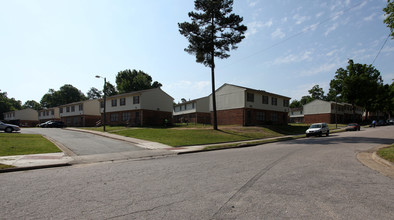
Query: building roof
[191,101]
[253,90]
[135,93]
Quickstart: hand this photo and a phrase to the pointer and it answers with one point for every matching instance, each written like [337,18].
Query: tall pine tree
[212,32]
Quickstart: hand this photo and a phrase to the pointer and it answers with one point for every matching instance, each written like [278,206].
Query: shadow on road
[336,139]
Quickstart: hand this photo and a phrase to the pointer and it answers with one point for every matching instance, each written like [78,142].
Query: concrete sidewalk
[35,161]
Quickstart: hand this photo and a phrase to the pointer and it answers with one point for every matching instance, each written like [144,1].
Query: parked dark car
[353,127]
[381,123]
[55,124]
[44,124]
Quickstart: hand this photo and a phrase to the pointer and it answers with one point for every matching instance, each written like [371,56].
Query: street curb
[16,169]
[370,159]
[238,146]
[377,158]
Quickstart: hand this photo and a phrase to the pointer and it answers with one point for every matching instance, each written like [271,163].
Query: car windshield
[351,125]
[316,126]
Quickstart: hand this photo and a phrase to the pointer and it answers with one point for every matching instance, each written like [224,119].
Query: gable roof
[135,93]
[252,90]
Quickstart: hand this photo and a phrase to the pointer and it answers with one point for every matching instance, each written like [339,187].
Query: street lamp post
[105,82]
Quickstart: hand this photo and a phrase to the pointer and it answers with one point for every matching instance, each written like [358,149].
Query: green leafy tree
[389,10]
[32,104]
[316,92]
[109,89]
[94,93]
[8,104]
[66,94]
[357,84]
[133,80]
[295,104]
[212,32]
[306,99]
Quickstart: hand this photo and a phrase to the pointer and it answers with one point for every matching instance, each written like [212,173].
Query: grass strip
[4,166]
[387,153]
[21,144]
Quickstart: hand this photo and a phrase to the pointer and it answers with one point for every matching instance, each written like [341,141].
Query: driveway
[83,144]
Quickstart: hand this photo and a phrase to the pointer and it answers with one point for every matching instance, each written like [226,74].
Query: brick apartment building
[139,108]
[237,105]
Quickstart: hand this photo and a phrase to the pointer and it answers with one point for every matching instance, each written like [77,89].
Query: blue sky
[290,45]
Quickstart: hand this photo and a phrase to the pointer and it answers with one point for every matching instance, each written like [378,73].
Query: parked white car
[8,127]
[318,129]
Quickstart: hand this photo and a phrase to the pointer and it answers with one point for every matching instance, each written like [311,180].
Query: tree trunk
[215,119]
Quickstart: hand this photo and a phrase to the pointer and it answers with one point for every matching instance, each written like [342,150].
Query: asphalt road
[81,143]
[314,178]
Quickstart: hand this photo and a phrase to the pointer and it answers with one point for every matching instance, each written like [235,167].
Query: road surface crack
[226,207]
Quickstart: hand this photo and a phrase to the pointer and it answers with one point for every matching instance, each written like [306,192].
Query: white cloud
[284,19]
[278,34]
[310,27]
[369,18]
[388,50]
[293,58]
[318,15]
[253,3]
[331,29]
[331,52]
[300,19]
[254,27]
[327,67]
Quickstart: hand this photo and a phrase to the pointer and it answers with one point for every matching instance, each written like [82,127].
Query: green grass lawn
[182,135]
[20,144]
[186,135]
[387,153]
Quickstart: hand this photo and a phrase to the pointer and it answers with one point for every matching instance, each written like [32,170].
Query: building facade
[331,112]
[24,118]
[80,114]
[50,114]
[296,115]
[139,108]
[194,111]
[237,105]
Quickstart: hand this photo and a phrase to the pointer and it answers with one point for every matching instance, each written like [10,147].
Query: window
[136,100]
[52,112]
[265,99]
[274,101]
[249,97]
[122,101]
[73,108]
[274,116]
[101,104]
[114,117]
[260,116]
[61,110]
[114,102]
[80,107]
[125,116]
[68,109]
[286,103]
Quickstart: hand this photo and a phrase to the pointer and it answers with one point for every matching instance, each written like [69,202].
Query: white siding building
[25,117]
[145,107]
[80,114]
